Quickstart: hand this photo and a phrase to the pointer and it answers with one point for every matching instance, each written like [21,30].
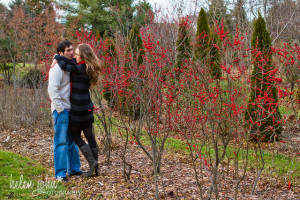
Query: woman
[83,75]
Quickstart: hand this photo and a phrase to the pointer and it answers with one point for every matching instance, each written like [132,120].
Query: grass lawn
[22,71]
[276,164]
[24,178]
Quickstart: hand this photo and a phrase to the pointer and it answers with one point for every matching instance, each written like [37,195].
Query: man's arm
[55,77]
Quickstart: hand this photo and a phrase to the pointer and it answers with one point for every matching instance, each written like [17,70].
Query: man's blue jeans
[66,155]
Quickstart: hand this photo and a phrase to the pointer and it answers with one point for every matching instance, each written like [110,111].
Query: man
[66,155]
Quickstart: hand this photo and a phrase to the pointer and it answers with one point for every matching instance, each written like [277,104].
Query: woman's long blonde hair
[93,65]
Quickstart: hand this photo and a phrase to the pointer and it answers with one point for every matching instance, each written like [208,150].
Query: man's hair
[62,46]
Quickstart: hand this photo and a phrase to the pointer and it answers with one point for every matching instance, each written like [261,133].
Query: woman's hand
[53,63]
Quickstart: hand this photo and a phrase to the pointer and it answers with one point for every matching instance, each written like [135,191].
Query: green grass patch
[21,71]
[99,127]
[278,164]
[175,145]
[24,178]
[285,111]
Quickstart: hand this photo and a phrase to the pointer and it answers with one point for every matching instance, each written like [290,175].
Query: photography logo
[44,186]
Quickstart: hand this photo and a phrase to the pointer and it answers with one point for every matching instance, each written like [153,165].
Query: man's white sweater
[59,89]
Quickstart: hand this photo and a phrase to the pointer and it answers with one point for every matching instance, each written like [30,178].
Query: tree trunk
[14,75]
[154,146]
[35,61]
[239,15]
[265,11]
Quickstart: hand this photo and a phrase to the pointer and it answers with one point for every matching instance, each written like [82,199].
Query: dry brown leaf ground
[176,180]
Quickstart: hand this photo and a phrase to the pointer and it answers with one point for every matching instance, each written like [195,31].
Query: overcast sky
[5,2]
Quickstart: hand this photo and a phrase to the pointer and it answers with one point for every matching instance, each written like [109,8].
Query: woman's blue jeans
[66,155]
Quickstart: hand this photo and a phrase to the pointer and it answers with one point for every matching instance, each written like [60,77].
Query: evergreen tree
[97,15]
[214,58]
[5,67]
[205,45]
[101,14]
[202,36]
[136,45]
[111,58]
[144,12]
[113,15]
[134,59]
[184,49]
[263,104]
[218,12]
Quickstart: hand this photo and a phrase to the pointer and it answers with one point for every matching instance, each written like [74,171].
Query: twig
[286,24]
[260,171]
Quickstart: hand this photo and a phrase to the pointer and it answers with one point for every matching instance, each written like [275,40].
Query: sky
[163,3]
[5,2]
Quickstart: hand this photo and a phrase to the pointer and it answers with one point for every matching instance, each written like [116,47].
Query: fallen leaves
[176,179]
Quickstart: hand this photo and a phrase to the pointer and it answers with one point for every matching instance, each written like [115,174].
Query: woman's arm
[69,66]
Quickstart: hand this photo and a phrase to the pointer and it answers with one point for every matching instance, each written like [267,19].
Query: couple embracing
[72,108]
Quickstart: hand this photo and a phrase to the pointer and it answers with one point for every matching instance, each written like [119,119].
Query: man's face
[68,52]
